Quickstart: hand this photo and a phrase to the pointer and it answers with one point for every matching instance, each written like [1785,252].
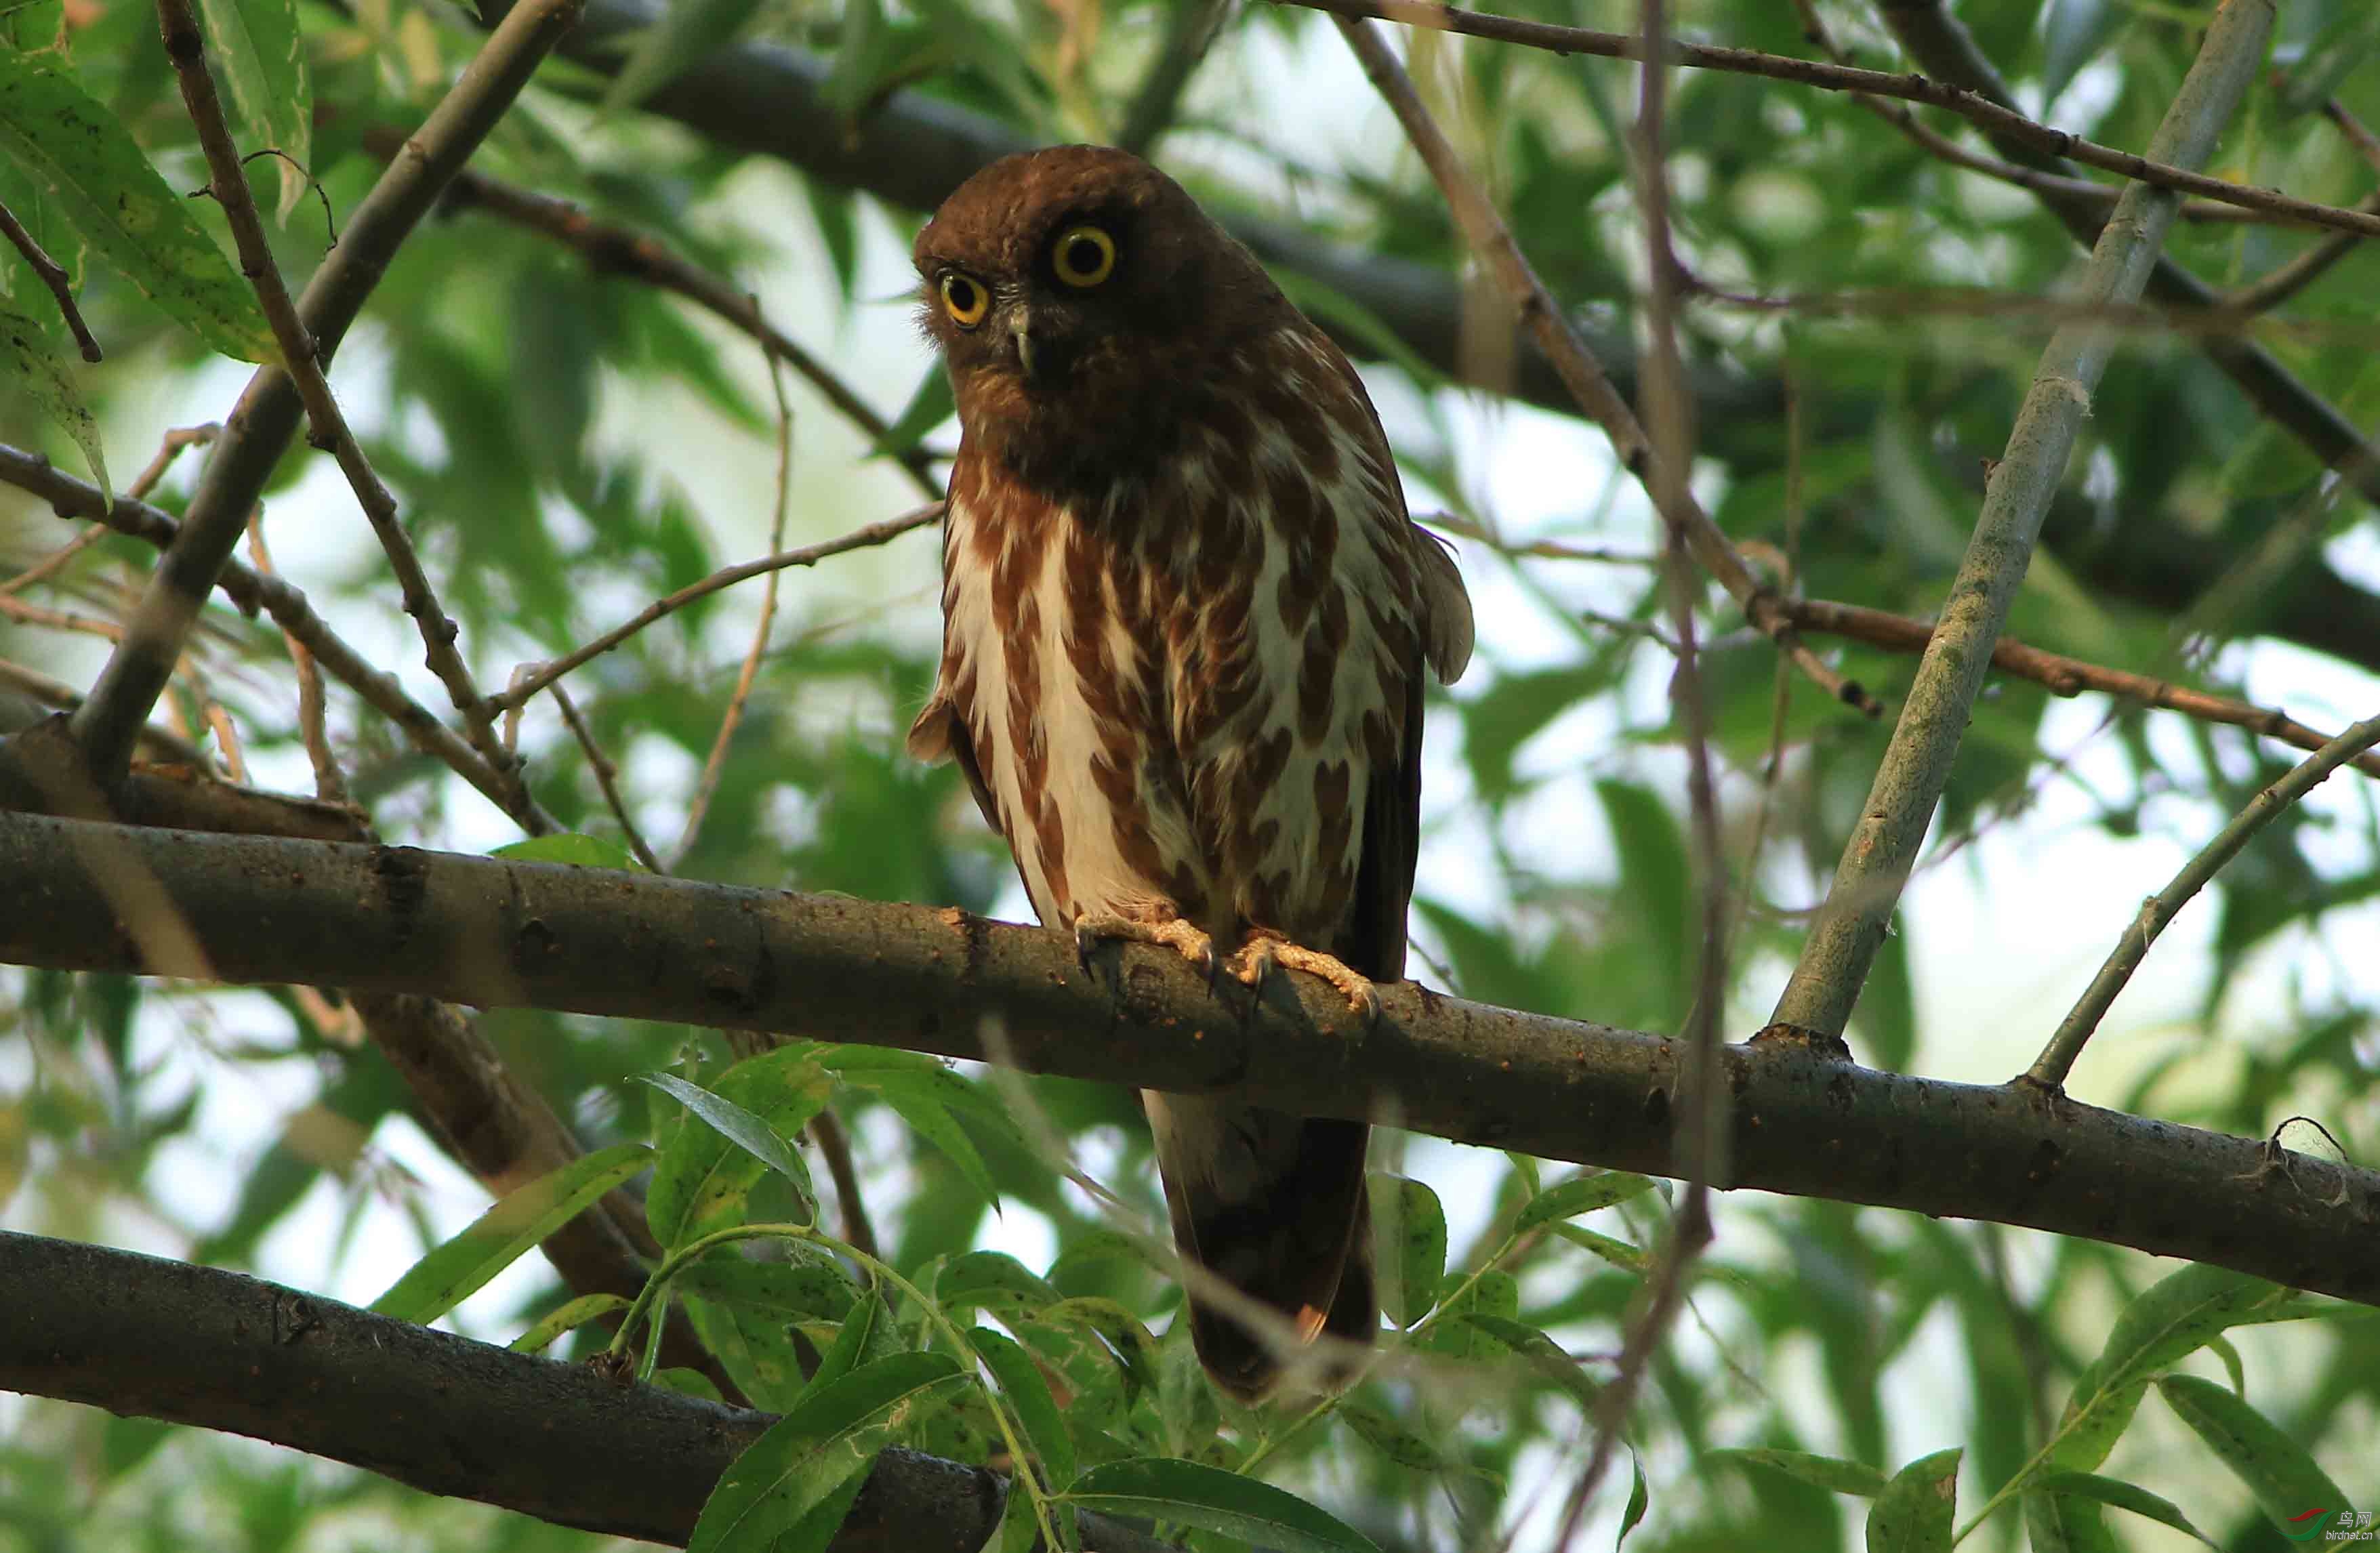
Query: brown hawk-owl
[1186,621]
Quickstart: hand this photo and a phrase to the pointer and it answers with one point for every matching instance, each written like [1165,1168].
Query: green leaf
[457,1269]
[1215,1501]
[2068,1524]
[571,846]
[1568,1199]
[1124,1331]
[2123,1496]
[1495,1293]
[2076,29]
[1410,1259]
[1916,1513]
[754,1345]
[742,1128]
[867,1334]
[1640,1500]
[2279,1472]
[29,358]
[568,1318]
[1392,1437]
[703,1177]
[78,154]
[2164,1323]
[1027,1390]
[1830,1473]
[923,1099]
[993,1280]
[822,1445]
[1539,1351]
[688,31]
[812,1286]
[1618,1252]
[255,50]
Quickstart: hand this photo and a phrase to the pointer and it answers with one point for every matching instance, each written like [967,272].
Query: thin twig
[289,609]
[185,46]
[2286,280]
[1970,105]
[716,762]
[50,564]
[2056,1058]
[2062,675]
[270,408]
[528,684]
[53,275]
[1702,1097]
[24,613]
[606,775]
[834,1144]
[1883,844]
[1936,144]
[169,448]
[313,730]
[1578,369]
[2357,132]
[613,249]
[1548,549]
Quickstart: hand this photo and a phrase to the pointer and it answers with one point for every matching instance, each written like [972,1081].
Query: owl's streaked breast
[1177,687]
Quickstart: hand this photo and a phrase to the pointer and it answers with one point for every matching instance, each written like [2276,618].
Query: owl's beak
[1020,335]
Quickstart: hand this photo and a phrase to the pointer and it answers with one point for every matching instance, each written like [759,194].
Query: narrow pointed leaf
[2277,1469]
[1412,1260]
[85,160]
[457,1269]
[2162,1325]
[254,48]
[567,1318]
[2123,1496]
[29,358]
[1568,1199]
[1027,1393]
[1215,1501]
[742,1128]
[820,1448]
[1830,1473]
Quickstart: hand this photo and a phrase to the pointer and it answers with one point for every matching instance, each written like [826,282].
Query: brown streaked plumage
[1185,622]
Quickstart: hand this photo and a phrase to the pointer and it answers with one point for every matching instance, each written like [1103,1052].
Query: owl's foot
[1094,928]
[1265,950]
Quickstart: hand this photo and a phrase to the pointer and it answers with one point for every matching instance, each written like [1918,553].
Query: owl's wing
[940,731]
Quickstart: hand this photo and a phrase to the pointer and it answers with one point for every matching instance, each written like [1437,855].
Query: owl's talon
[1266,953]
[1094,928]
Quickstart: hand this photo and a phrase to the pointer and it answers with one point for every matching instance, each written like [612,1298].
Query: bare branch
[313,730]
[605,773]
[287,605]
[185,46]
[2062,675]
[527,685]
[618,250]
[1589,386]
[2056,1058]
[716,761]
[1974,106]
[1883,844]
[270,408]
[53,275]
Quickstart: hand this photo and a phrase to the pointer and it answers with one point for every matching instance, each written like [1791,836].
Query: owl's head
[1079,293]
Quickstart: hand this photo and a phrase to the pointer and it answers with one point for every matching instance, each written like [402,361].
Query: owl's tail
[1274,1205]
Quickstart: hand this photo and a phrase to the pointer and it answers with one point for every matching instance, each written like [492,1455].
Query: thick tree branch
[497,933]
[152,1338]
[1917,765]
[260,426]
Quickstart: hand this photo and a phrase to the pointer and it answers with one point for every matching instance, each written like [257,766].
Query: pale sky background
[2002,937]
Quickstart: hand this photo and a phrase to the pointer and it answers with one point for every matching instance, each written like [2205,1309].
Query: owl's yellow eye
[1084,256]
[965,300]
